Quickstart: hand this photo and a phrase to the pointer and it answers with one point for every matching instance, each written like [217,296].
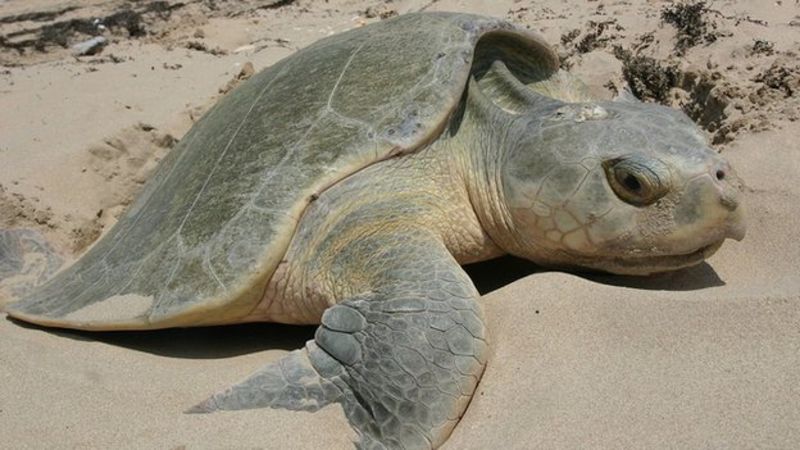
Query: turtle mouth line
[650,264]
[672,262]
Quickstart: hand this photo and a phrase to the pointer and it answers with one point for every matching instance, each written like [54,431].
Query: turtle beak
[729,187]
[736,226]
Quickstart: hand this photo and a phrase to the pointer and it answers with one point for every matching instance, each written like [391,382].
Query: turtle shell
[199,244]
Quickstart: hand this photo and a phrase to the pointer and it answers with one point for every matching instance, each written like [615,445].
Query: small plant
[690,21]
[647,78]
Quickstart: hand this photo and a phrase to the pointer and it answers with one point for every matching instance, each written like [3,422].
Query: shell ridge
[329,105]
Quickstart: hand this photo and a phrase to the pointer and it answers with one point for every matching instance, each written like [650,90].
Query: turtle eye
[637,180]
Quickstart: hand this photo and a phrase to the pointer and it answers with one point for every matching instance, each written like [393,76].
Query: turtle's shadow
[197,343]
[491,275]
[233,340]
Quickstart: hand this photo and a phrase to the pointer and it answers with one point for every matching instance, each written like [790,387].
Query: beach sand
[707,357]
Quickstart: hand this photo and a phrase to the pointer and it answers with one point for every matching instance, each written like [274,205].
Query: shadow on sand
[234,340]
[196,343]
[491,275]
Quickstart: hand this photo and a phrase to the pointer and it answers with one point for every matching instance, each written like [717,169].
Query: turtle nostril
[720,174]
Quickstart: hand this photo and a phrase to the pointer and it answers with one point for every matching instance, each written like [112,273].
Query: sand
[704,358]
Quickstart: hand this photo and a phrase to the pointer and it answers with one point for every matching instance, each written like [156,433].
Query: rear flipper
[26,261]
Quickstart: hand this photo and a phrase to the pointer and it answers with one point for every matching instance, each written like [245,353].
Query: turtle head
[618,186]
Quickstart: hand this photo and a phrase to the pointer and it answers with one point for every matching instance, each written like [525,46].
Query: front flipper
[403,359]
[290,383]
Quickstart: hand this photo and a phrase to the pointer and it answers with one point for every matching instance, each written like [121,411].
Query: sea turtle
[346,184]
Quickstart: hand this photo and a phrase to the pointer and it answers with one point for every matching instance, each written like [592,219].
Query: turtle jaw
[648,265]
[630,263]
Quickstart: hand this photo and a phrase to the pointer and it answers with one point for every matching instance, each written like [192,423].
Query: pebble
[89,47]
